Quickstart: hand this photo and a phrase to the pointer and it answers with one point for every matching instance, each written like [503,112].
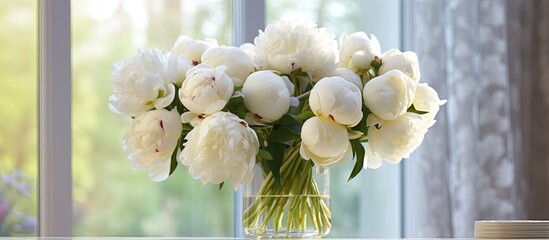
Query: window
[18,128]
[111,199]
[104,185]
[369,205]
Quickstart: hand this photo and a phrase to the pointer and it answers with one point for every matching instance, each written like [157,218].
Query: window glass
[368,205]
[18,125]
[110,198]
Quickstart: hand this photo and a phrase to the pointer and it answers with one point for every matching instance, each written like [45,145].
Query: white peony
[389,95]
[324,141]
[406,62]
[295,43]
[338,99]
[357,50]
[395,139]
[142,83]
[267,95]
[206,90]
[249,49]
[370,159]
[349,75]
[239,64]
[192,49]
[180,65]
[426,99]
[221,147]
[151,141]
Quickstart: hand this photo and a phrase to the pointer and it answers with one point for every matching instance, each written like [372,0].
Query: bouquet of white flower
[292,100]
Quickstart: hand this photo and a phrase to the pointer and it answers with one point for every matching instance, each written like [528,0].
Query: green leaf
[236,105]
[305,115]
[376,63]
[187,127]
[264,154]
[361,126]
[358,151]
[414,110]
[221,185]
[283,135]
[288,119]
[274,166]
[299,72]
[173,161]
[309,87]
[277,152]
[236,100]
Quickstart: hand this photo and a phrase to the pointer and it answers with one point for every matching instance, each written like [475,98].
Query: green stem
[297,200]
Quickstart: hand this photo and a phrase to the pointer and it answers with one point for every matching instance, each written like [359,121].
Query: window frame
[249,16]
[54,119]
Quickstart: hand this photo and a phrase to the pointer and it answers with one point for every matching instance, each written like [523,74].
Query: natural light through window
[18,131]
[104,184]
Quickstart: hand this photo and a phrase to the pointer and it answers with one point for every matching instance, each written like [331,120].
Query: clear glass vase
[299,207]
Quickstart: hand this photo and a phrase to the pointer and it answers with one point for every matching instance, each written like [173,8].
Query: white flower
[389,95]
[370,159]
[180,65]
[295,43]
[324,141]
[427,100]
[406,62]
[192,49]
[221,147]
[141,83]
[239,64]
[393,140]
[357,50]
[338,99]
[249,49]
[151,141]
[349,75]
[267,95]
[206,90]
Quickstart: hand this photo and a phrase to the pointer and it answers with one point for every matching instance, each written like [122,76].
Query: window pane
[368,205]
[110,198]
[18,126]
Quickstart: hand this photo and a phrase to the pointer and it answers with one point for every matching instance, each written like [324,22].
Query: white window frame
[54,119]
[248,17]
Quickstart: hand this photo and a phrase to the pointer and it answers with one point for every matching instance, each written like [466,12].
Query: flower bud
[266,95]
[323,141]
[338,99]
[426,99]
[349,75]
[239,64]
[249,49]
[406,62]
[192,49]
[357,50]
[389,95]
[396,139]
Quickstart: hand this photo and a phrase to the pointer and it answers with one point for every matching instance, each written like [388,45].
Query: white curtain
[488,155]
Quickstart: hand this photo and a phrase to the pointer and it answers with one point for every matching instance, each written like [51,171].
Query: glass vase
[298,206]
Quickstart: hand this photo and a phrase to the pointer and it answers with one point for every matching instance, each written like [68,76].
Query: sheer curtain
[488,155]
